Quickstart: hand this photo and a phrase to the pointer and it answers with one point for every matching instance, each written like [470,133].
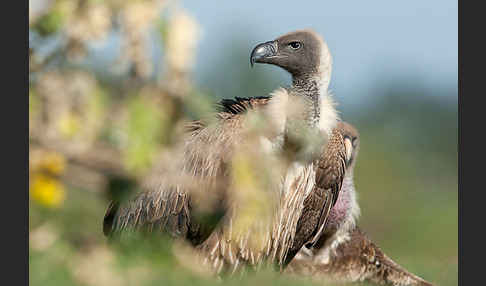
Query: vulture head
[351,141]
[302,53]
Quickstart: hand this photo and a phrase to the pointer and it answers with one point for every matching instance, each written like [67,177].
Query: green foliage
[412,217]
[199,105]
[406,175]
[49,23]
[143,134]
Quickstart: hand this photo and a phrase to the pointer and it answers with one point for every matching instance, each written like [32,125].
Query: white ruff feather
[328,116]
[328,113]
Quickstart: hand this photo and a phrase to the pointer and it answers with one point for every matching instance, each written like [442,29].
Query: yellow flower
[53,163]
[47,190]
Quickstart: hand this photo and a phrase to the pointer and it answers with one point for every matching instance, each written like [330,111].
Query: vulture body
[344,253]
[306,189]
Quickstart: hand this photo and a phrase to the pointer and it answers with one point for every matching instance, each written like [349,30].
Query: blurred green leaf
[144,132]
[49,23]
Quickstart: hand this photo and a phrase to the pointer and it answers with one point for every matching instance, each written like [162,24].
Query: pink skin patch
[340,212]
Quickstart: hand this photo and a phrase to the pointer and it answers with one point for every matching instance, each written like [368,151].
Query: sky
[372,42]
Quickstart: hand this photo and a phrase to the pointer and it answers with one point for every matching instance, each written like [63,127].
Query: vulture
[306,189]
[344,253]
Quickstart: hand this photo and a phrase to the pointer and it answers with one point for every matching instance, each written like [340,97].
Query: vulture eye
[295,45]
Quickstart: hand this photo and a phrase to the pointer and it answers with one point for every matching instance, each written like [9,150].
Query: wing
[170,213]
[330,171]
[174,209]
[151,211]
[330,174]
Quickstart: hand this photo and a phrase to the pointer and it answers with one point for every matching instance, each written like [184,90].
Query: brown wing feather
[168,210]
[150,212]
[240,105]
[330,171]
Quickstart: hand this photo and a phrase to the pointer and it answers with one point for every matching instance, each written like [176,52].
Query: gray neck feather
[310,88]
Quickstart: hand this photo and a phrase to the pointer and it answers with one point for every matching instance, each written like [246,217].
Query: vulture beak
[262,52]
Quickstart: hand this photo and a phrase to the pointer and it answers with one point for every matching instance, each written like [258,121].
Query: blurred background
[110,82]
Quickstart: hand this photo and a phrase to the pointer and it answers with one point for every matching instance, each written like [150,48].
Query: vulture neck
[321,112]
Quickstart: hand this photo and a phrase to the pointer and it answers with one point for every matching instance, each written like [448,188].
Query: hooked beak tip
[263,51]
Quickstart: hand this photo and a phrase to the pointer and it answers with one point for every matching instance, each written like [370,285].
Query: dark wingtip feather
[238,104]
[110,218]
